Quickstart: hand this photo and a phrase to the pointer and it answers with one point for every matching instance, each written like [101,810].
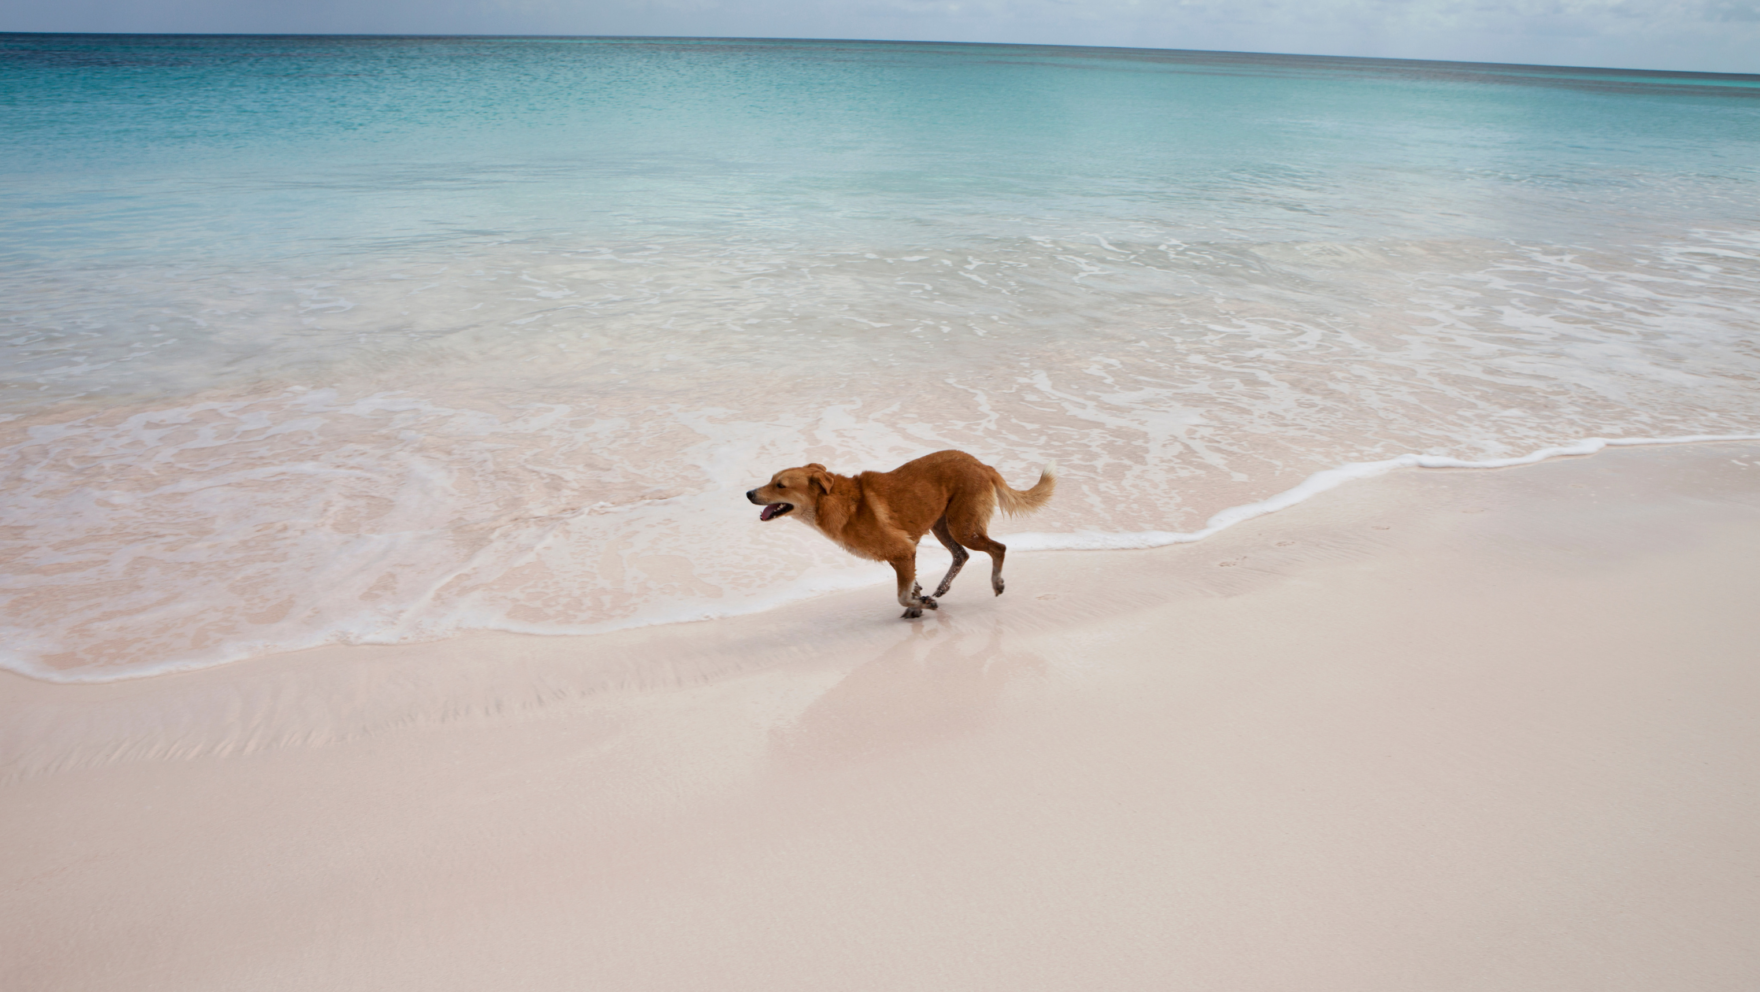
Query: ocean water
[308,341]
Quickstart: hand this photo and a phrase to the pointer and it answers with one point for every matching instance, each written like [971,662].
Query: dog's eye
[782,485]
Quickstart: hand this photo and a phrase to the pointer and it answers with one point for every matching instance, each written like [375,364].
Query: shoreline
[1451,729]
[1025,542]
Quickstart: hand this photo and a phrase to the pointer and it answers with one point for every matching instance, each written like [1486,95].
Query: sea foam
[1324,481]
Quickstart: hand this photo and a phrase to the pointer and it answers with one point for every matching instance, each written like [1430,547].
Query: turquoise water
[383,339]
[267,147]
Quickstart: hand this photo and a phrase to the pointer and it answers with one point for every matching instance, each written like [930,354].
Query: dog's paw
[998,585]
[929,602]
[912,613]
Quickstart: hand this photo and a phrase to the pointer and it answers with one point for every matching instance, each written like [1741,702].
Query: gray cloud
[1705,35]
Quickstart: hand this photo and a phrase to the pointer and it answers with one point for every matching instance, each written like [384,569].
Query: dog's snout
[752,494]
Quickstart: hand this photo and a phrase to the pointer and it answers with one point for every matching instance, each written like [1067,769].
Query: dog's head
[792,489]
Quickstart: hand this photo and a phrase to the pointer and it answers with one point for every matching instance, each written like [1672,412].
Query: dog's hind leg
[980,541]
[908,590]
[966,523]
[954,548]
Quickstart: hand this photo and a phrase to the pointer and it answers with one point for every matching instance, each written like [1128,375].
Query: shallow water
[318,340]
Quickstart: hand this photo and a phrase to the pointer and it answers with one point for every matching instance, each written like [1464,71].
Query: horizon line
[863,41]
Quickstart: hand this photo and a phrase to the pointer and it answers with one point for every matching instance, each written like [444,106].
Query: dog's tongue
[772,510]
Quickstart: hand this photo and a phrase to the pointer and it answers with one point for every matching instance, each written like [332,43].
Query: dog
[882,515]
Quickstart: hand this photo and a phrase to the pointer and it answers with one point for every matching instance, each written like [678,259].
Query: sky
[1695,35]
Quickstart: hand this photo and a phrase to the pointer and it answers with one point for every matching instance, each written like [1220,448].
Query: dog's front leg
[909,593]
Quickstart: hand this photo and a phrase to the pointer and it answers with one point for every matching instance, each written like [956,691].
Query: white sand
[1470,730]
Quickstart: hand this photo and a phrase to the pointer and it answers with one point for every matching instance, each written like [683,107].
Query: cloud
[1708,35]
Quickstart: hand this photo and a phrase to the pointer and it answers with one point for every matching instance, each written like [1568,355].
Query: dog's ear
[819,477]
[815,467]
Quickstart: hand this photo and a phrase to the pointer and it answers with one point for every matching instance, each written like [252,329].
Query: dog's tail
[1015,502]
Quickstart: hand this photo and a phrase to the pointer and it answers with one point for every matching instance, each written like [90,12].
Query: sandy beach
[1435,730]
[380,609]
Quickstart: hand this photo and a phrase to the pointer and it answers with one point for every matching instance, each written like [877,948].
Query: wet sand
[1435,730]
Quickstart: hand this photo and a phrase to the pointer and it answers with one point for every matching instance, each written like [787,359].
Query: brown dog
[882,515]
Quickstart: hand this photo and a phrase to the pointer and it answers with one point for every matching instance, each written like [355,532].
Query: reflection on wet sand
[940,680]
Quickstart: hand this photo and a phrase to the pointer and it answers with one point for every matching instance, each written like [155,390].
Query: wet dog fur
[882,515]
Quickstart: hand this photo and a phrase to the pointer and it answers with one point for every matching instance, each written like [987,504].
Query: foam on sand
[1320,482]
[280,557]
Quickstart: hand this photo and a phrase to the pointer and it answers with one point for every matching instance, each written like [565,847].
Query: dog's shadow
[937,682]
